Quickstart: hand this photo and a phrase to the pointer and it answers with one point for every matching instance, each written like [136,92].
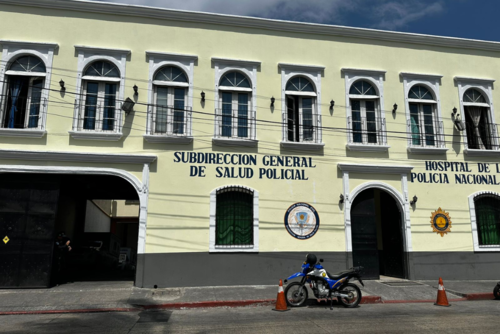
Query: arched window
[301,116]
[365,119]
[423,121]
[480,130]
[488,219]
[234,117]
[100,85]
[234,217]
[25,82]
[170,90]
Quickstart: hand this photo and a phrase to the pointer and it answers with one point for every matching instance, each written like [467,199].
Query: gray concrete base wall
[225,269]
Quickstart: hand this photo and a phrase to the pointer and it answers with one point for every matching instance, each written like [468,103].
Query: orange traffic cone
[280,300]
[442,300]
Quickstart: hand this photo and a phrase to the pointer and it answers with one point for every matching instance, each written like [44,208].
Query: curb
[480,296]
[228,303]
[95,310]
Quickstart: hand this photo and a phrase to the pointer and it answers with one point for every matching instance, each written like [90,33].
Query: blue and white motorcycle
[323,284]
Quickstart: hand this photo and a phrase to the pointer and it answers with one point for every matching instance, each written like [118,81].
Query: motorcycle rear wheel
[294,297]
[354,295]
[496,292]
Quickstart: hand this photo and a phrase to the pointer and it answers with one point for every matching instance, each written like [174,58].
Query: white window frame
[243,249]
[301,117]
[249,69]
[485,86]
[313,73]
[432,83]
[12,50]
[86,56]
[473,221]
[99,106]
[235,110]
[186,63]
[376,78]
[170,110]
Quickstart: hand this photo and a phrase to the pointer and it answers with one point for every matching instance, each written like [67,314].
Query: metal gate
[28,208]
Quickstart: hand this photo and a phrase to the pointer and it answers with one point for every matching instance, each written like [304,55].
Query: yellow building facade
[252,142]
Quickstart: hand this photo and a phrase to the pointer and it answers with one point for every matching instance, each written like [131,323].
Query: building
[247,143]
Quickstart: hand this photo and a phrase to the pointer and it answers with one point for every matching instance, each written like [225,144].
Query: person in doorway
[61,249]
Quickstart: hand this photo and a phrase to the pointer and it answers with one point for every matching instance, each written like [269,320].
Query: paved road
[463,317]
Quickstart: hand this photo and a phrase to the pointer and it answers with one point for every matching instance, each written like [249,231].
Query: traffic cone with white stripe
[442,300]
[280,300]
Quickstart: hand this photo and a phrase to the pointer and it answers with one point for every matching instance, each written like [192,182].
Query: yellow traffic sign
[6,239]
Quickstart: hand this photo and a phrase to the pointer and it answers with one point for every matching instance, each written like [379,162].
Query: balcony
[97,122]
[367,134]
[481,140]
[304,135]
[28,124]
[235,130]
[169,125]
[426,139]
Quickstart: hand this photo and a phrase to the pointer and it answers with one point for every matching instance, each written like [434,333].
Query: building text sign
[458,173]
[245,166]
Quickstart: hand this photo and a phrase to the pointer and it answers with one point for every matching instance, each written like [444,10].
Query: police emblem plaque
[441,222]
[301,221]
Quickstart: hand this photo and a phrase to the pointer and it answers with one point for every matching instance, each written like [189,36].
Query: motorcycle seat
[339,275]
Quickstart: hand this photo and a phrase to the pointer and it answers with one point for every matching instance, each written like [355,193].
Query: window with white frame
[23,104]
[424,123]
[235,97]
[479,126]
[99,108]
[487,214]
[366,123]
[300,118]
[170,94]
[234,219]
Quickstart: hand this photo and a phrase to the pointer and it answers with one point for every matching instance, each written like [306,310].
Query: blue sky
[474,19]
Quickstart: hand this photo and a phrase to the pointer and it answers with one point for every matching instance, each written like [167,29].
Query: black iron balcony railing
[426,135]
[481,137]
[170,121]
[366,130]
[98,118]
[235,124]
[305,131]
[31,118]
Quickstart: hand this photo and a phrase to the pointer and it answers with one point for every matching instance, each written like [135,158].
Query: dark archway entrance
[377,235]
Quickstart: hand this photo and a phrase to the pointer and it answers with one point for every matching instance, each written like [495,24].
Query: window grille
[234,217]
[488,220]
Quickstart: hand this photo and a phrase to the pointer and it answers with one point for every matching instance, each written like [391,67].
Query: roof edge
[260,23]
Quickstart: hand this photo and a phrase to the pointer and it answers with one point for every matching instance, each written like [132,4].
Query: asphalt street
[461,317]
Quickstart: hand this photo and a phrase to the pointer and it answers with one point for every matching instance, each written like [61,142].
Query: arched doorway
[377,234]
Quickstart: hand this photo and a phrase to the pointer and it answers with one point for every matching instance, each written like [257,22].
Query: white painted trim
[77,157]
[96,135]
[376,78]
[481,153]
[473,221]
[213,205]
[485,86]
[14,49]
[26,133]
[402,201]
[367,147]
[86,56]
[313,74]
[375,169]
[236,89]
[302,146]
[236,62]
[227,141]
[140,187]
[164,139]
[293,92]
[170,83]
[431,82]
[158,60]
[104,79]
[249,70]
[26,74]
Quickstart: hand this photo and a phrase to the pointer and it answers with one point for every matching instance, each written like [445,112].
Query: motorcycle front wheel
[496,292]
[296,294]
[354,295]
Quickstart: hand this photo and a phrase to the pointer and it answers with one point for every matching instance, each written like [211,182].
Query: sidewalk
[123,296]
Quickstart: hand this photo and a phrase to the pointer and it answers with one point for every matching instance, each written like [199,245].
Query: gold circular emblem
[441,222]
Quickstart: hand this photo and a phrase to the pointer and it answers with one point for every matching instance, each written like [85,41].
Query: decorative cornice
[363,71]
[83,135]
[427,150]
[482,153]
[368,148]
[420,75]
[101,50]
[481,81]
[251,22]
[301,146]
[235,142]
[301,67]
[173,56]
[28,45]
[374,169]
[26,133]
[77,156]
[237,62]
[182,140]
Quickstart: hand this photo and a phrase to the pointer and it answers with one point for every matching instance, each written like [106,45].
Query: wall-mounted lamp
[457,120]
[394,108]
[202,96]
[332,104]
[454,112]
[272,101]
[136,90]
[414,201]
[341,199]
[61,83]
